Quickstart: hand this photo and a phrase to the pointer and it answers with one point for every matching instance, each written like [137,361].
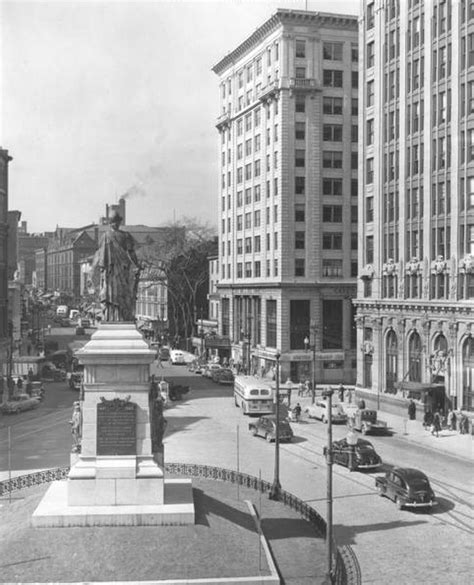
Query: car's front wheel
[364,429]
[398,503]
[268,438]
[254,432]
[324,420]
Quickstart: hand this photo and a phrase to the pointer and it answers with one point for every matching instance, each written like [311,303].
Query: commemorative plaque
[116,427]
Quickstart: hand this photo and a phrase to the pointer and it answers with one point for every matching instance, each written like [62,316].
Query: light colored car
[177,357]
[210,369]
[319,410]
[20,403]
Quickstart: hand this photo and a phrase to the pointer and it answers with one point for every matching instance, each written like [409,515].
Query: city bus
[253,395]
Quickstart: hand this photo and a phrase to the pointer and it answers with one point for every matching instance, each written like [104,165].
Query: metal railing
[346,566]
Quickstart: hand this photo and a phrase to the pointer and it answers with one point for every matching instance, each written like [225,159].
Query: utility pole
[276,486]
[329,574]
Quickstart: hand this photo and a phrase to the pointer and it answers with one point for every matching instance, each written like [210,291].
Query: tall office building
[415,317]
[288,195]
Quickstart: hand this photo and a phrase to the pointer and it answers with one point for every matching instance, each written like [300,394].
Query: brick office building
[288,195]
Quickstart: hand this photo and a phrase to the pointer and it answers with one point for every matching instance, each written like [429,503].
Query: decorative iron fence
[346,566]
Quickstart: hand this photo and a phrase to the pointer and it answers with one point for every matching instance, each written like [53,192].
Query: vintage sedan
[320,411]
[223,376]
[362,455]
[20,403]
[209,369]
[265,427]
[407,487]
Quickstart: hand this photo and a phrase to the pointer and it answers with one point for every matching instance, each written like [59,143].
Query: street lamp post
[313,364]
[329,575]
[276,487]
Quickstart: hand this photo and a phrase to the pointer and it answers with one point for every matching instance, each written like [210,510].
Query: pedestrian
[19,383]
[436,425]
[29,388]
[463,425]
[301,388]
[349,396]
[451,420]
[361,404]
[341,392]
[30,374]
[411,410]
[427,419]
[28,349]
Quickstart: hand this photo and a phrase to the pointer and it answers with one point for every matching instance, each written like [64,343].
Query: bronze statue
[116,269]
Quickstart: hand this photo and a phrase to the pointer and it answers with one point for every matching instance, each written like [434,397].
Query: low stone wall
[385,402]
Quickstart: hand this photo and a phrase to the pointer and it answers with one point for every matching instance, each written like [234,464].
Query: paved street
[392,546]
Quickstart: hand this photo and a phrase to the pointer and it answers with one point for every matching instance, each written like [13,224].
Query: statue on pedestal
[116,270]
[76,427]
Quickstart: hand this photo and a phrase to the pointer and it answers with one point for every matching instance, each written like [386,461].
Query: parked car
[319,410]
[407,487]
[86,323]
[366,421]
[265,427]
[177,357]
[20,403]
[164,353]
[210,368]
[223,376]
[363,456]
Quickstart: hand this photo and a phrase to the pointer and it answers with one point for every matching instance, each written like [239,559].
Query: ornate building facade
[415,300]
[288,195]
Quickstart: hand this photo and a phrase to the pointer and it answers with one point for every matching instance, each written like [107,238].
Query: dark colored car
[265,427]
[164,354]
[406,487]
[223,376]
[363,456]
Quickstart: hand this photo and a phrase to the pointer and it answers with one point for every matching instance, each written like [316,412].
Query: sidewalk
[450,442]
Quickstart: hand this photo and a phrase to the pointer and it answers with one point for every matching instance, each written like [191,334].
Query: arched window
[391,361]
[468,374]
[414,358]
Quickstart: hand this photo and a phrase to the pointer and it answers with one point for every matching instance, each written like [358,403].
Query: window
[256,165]
[248,220]
[248,196]
[257,143]
[299,266]
[248,270]
[370,171]
[248,245]
[257,244]
[354,133]
[371,54]
[239,198]
[332,159]
[300,49]
[275,213]
[299,240]
[332,268]
[300,72]
[248,172]
[332,334]
[354,106]
[275,240]
[300,104]
[258,66]
[332,78]
[354,188]
[370,16]
[355,79]
[332,241]
[332,105]
[354,214]
[240,77]
[239,151]
[239,175]
[354,53]
[354,160]
[354,241]
[300,185]
[257,218]
[249,73]
[299,212]
[333,51]
[332,213]
[239,246]
[299,158]
[370,93]
[332,186]
[369,209]
[248,122]
[370,131]
[300,130]
[332,132]
[271,323]
[369,249]
[256,193]
[248,147]
[257,269]
[257,117]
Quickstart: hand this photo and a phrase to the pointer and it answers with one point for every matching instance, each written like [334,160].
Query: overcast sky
[105,98]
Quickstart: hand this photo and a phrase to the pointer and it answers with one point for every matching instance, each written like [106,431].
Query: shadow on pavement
[347,535]
[181,423]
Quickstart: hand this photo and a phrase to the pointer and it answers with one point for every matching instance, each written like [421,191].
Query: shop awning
[420,387]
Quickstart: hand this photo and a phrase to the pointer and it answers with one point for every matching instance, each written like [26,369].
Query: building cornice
[282,17]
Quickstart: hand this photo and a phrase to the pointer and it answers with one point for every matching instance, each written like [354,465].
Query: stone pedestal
[115,479]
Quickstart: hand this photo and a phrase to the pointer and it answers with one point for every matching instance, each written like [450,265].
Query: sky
[102,99]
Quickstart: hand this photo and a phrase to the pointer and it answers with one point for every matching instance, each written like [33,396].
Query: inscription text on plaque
[116,427]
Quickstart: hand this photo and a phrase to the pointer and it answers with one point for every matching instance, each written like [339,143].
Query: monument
[116,478]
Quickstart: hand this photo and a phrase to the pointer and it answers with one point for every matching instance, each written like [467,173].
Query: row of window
[439,287]
[245,197]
